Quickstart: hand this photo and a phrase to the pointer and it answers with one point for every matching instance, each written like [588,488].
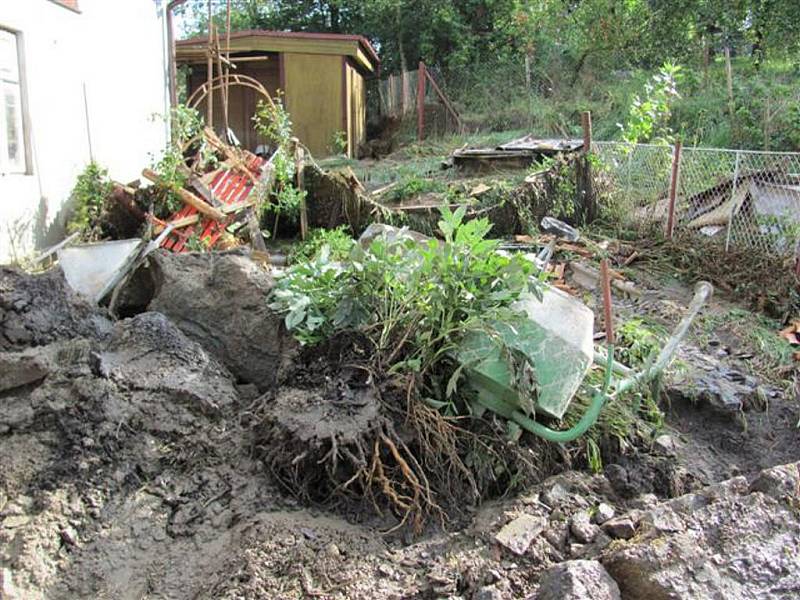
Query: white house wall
[115,51]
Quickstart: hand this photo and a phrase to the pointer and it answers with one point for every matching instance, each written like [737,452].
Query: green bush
[89,195]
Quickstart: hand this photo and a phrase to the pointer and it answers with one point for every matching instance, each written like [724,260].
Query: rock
[385,571]
[557,534]
[332,550]
[781,482]
[518,534]
[578,580]
[603,513]
[644,501]
[7,589]
[15,521]
[582,528]
[555,495]
[22,368]
[665,444]
[220,301]
[621,528]
[488,592]
[69,536]
[663,519]
[735,545]
[577,550]
[148,352]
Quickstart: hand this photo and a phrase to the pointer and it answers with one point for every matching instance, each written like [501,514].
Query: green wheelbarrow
[554,338]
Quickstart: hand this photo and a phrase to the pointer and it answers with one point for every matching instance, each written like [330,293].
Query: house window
[12,133]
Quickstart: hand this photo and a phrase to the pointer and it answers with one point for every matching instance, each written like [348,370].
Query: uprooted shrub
[396,312]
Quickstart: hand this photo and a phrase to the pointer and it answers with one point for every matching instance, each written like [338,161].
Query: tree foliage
[537,63]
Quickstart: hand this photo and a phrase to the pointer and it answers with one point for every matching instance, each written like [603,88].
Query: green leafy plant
[412,301]
[89,195]
[414,185]
[272,122]
[648,118]
[338,143]
[337,240]
[637,341]
[186,127]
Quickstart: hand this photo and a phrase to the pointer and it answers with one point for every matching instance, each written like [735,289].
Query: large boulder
[219,300]
[39,309]
[727,541]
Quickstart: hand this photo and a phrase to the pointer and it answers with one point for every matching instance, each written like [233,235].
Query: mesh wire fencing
[740,198]
[397,98]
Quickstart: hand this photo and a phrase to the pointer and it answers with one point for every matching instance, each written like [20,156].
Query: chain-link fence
[397,97]
[741,198]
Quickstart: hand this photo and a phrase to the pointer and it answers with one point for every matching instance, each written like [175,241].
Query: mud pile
[135,466]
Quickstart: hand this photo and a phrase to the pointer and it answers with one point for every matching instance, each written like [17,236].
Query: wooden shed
[320,75]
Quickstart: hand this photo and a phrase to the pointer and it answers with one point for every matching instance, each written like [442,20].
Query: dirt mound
[91,422]
[39,309]
[219,300]
[135,467]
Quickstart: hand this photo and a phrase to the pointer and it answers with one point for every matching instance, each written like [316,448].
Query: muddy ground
[133,467]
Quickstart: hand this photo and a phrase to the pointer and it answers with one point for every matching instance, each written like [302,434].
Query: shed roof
[253,40]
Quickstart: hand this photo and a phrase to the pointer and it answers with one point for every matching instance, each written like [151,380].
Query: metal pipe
[702,292]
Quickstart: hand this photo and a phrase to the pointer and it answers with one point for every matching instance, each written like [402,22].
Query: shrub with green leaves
[649,116]
[412,301]
[272,122]
[337,240]
[89,196]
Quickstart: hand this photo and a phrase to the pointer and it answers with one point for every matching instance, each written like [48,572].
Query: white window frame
[12,82]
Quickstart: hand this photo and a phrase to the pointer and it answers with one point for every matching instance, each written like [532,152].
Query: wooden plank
[186,196]
[182,222]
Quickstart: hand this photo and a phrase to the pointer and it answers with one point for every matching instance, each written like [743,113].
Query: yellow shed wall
[357,109]
[314,98]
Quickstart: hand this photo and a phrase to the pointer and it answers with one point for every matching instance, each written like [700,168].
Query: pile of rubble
[135,461]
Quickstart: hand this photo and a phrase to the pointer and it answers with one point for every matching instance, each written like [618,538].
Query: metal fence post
[673,188]
[585,192]
[421,101]
[733,202]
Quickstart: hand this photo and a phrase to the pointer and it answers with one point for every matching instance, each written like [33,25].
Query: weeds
[89,195]
[272,122]
[637,341]
[337,241]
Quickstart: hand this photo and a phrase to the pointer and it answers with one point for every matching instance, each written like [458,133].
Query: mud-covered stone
[603,513]
[727,543]
[781,482]
[518,534]
[149,352]
[219,300]
[582,528]
[39,309]
[578,580]
[621,528]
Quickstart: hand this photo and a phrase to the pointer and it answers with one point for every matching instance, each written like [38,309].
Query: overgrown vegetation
[186,138]
[89,196]
[272,122]
[337,243]
[410,304]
